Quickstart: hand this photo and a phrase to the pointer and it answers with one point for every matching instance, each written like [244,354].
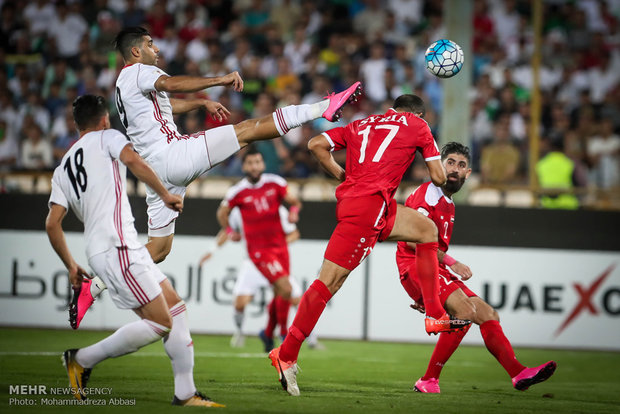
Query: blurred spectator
[36,152]
[8,147]
[500,159]
[604,155]
[64,133]
[286,17]
[372,71]
[66,30]
[133,15]
[555,171]
[371,20]
[39,14]
[158,19]
[34,108]
[297,49]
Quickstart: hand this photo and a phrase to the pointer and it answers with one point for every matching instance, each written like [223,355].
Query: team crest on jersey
[248,199]
[270,192]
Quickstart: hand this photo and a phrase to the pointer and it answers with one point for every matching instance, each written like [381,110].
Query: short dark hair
[410,103]
[129,37]
[455,148]
[88,110]
[252,150]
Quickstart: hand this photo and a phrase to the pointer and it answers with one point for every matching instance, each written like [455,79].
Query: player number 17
[365,133]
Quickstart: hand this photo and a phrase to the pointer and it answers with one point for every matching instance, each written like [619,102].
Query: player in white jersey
[146,112]
[91,181]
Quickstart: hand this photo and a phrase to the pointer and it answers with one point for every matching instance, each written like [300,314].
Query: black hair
[455,148]
[129,37]
[88,110]
[252,150]
[410,103]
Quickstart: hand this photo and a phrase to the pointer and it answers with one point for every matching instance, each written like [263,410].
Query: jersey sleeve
[417,201]
[337,138]
[147,76]
[428,146]
[230,199]
[113,143]
[287,226]
[57,196]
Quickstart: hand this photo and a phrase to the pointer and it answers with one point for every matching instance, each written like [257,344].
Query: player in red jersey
[259,197]
[436,203]
[380,148]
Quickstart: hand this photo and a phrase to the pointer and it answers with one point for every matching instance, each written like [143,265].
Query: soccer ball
[444,58]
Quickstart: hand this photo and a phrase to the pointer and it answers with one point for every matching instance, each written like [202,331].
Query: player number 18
[393,130]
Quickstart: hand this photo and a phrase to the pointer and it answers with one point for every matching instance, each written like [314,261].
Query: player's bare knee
[467,311]
[428,232]
[166,321]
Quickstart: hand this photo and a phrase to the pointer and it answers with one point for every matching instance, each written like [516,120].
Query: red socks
[427,269]
[310,308]
[277,312]
[272,317]
[498,345]
[446,345]
[282,308]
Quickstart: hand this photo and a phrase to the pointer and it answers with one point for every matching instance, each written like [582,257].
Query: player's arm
[321,149]
[53,227]
[437,172]
[215,109]
[145,173]
[186,84]
[294,207]
[293,236]
[220,239]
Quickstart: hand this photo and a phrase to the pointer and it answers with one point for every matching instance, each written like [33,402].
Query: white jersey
[145,112]
[91,179]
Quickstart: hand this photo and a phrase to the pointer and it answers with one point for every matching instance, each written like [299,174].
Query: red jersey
[380,148]
[430,200]
[259,206]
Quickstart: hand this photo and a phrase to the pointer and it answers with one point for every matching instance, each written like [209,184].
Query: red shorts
[273,263]
[448,283]
[362,221]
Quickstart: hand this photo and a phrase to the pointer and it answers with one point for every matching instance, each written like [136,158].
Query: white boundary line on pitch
[150,354]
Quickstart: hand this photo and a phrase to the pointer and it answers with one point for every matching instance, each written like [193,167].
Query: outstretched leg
[292,116]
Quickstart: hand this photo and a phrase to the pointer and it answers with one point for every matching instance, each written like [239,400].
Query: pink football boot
[430,386]
[338,100]
[530,376]
[83,298]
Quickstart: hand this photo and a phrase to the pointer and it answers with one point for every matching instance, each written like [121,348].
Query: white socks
[293,116]
[128,338]
[239,316]
[180,348]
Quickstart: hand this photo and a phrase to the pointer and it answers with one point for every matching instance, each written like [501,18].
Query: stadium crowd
[295,51]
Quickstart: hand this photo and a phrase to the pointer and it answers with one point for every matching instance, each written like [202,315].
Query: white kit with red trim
[91,180]
[145,112]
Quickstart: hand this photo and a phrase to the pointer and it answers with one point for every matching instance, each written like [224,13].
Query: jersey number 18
[79,179]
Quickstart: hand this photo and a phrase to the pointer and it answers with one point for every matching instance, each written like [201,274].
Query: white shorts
[182,162]
[130,275]
[250,280]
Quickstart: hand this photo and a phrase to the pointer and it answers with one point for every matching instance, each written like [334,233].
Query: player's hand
[234,236]
[233,80]
[462,270]
[418,306]
[76,275]
[293,216]
[217,110]
[173,202]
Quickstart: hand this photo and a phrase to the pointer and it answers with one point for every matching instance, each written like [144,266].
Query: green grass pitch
[347,377]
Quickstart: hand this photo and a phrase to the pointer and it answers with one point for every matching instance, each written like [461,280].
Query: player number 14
[365,133]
